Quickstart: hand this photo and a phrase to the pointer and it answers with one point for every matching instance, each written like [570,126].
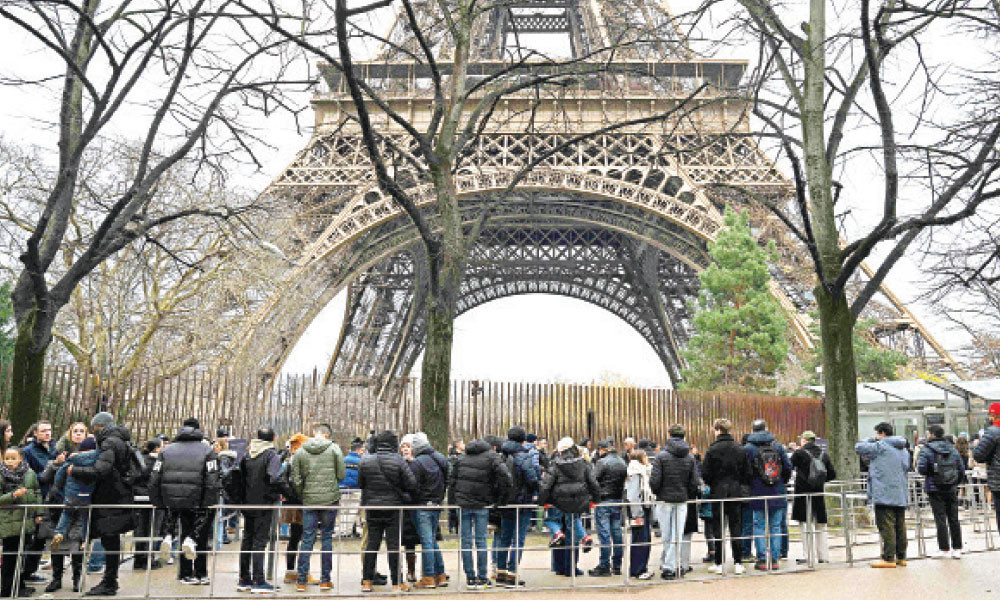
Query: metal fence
[850,536]
[149,403]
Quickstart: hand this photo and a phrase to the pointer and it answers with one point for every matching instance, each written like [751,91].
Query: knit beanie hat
[88,444]
[420,442]
[565,444]
[102,419]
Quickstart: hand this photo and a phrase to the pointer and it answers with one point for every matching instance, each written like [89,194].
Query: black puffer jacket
[479,478]
[675,473]
[988,453]
[726,469]
[108,475]
[385,479]
[430,468]
[611,472]
[569,484]
[186,473]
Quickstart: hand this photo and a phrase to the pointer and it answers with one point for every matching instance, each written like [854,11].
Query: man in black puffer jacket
[726,471]
[186,480]
[570,487]
[109,475]
[479,479]
[674,480]
[385,480]
[610,471]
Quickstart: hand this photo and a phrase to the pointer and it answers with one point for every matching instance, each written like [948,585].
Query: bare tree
[186,75]
[820,90]
[462,108]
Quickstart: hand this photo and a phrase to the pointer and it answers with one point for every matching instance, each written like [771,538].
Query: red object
[995,409]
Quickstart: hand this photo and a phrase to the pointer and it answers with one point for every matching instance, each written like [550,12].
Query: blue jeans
[775,517]
[97,556]
[324,520]
[553,520]
[431,559]
[511,548]
[747,530]
[225,516]
[473,527]
[609,531]
[671,518]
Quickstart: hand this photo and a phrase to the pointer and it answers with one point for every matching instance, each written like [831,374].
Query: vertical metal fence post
[767,537]
[149,552]
[626,524]
[809,533]
[846,525]
[18,582]
[86,548]
[215,555]
[720,546]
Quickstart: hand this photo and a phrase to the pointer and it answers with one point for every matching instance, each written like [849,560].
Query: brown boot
[884,564]
[900,562]
[366,586]
[411,567]
[442,580]
[402,587]
[426,583]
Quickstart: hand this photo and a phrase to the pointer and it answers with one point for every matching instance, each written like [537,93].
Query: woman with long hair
[640,498]
[70,442]
[8,433]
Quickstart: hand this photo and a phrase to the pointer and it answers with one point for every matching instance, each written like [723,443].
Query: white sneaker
[940,554]
[717,569]
[165,544]
[957,554]
[739,569]
[189,548]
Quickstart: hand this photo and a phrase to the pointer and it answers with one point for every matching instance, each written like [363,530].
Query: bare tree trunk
[435,384]
[29,366]
[839,380]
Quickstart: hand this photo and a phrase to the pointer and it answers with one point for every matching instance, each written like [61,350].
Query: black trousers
[8,566]
[257,528]
[734,517]
[382,523]
[195,524]
[148,525]
[944,505]
[891,523]
[113,558]
[291,552]
[34,547]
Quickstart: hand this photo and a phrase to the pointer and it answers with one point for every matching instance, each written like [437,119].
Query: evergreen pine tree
[740,340]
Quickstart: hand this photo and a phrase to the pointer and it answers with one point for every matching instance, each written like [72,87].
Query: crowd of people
[507,485]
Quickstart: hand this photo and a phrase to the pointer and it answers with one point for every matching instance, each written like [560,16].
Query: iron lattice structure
[621,220]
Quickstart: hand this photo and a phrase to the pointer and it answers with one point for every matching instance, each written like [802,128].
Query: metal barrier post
[626,543]
[809,534]
[919,530]
[86,548]
[846,525]
[720,546]
[18,583]
[149,552]
[215,555]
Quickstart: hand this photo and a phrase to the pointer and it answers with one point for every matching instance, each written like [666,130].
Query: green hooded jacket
[12,509]
[317,470]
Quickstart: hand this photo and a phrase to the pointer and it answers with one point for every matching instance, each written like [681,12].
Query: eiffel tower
[621,220]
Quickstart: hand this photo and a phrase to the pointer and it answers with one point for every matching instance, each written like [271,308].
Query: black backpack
[816,477]
[234,484]
[767,465]
[135,467]
[946,472]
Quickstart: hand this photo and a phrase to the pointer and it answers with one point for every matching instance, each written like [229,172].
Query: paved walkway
[970,577]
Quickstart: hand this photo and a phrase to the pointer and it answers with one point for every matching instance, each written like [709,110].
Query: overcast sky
[529,338]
